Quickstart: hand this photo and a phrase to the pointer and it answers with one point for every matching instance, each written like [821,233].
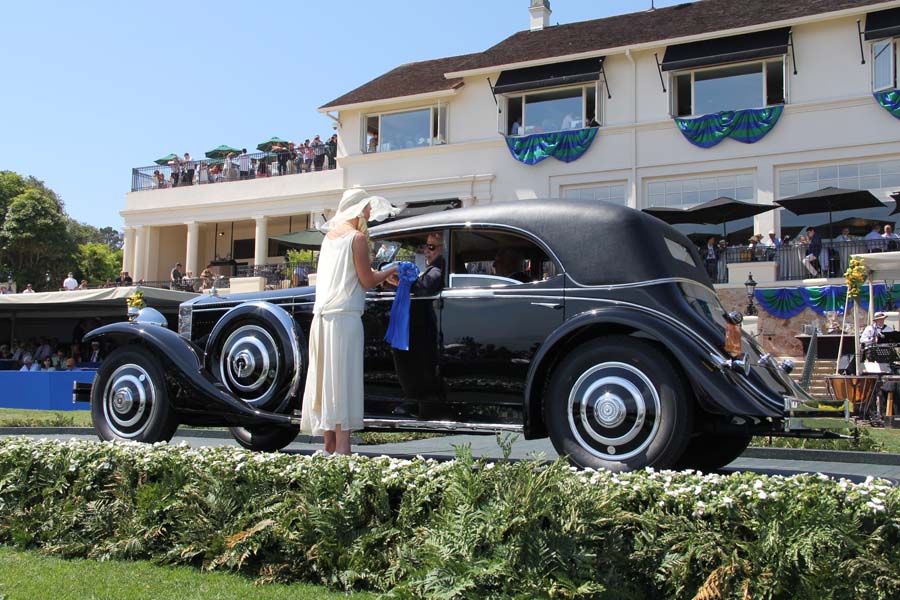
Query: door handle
[553,305]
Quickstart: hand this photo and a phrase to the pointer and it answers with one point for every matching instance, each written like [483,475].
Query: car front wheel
[129,399]
[618,403]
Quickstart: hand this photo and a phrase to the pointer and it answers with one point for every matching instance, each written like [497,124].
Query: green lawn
[32,576]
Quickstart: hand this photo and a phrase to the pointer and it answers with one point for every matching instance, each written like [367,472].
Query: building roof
[683,20]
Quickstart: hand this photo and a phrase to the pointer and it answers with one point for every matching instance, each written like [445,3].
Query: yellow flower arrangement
[136,300]
[856,276]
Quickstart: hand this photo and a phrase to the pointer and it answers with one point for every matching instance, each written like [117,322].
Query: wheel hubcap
[249,364]
[129,401]
[613,410]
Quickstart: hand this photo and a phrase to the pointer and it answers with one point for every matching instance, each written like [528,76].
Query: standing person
[70,283]
[175,164]
[874,241]
[307,152]
[175,276]
[244,165]
[892,239]
[282,154]
[318,153]
[188,170]
[332,151]
[333,397]
[711,258]
[811,260]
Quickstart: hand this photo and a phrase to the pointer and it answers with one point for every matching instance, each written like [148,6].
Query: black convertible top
[598,243]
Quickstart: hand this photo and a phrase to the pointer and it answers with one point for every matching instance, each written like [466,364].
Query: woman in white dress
[333,397]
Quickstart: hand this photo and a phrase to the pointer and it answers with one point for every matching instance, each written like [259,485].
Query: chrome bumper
[815,413]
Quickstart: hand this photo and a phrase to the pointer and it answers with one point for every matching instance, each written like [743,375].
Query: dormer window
[882,30]
[731,73]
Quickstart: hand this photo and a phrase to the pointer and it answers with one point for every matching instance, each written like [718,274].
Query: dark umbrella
[858,225]
[896,198]
[222,151]
[830,199]
[723,210]
[311,239]
[672,216]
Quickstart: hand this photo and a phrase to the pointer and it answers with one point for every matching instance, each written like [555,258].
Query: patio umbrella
[309,240]
[725,209]
[672,216]
[268,144]
[896,198]
[222,151]
[166,159]
[829,199]
[858,225]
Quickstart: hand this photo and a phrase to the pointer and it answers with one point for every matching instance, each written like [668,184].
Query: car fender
[692,355]
[192,389]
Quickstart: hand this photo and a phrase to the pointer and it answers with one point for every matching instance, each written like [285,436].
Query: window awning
[883,24]
[736,48]
[544,76]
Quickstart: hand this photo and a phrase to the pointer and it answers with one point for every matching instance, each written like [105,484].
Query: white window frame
[673,75]
[502,103]
[646,182]
[439,137]
[623,183]
[893,55]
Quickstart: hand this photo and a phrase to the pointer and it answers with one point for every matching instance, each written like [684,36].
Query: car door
[492,325]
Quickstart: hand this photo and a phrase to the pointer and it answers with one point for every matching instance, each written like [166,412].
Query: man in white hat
[875,331]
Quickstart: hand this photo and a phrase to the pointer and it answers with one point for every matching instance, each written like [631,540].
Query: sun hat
[879,315]
[353,203]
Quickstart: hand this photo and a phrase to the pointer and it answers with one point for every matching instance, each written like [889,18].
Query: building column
[261,251]
[140,253]
[128,250]
[193,241]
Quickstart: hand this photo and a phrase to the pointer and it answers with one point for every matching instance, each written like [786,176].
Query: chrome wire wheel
[249,364]
[130,401]
[614,411]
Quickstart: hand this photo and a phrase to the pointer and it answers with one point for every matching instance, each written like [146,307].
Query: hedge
[464,528]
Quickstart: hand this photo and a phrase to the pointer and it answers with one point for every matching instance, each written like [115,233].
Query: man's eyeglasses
[431,247]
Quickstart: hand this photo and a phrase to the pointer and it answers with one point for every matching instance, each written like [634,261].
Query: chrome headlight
[185,318]
[787,365]
[151,316]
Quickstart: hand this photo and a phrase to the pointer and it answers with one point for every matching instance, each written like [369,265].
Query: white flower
[727,501]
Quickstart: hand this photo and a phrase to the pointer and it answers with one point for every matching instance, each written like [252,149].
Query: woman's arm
[367,277]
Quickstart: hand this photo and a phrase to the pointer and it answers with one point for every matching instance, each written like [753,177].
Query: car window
[487,258]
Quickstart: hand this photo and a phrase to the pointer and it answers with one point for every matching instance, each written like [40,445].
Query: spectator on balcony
[874,241]
[244,165]
[70,283]
[96,355]
[300,276]
[262,170]
[175,165]
[843,247]
[811,260]
[43,350]
[332,151]
[711,257]
[892,240]
[206,277]
[306,152]
[159,180]
[59,359]
[28,289]
[188,172]
[70,365]
[47,365]
[175,276]
[228,167]
[124,279]
[772,244]
[282,155]
[83,285]
[318,153]
[4,290]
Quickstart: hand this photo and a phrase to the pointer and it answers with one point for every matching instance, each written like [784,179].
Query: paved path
[760,460]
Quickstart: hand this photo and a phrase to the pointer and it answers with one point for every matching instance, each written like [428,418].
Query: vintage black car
[590,323]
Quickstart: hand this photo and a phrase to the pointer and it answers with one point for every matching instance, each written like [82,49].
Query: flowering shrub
[459,529]
[136,300]
[856,276]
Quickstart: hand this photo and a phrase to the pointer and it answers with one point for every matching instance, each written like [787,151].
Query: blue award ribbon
[398,327]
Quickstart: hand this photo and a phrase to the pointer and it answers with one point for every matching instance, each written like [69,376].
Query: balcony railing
[280,275]
[203,172]
[832,261]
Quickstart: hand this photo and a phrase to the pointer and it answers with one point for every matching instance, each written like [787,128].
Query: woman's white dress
[334,382]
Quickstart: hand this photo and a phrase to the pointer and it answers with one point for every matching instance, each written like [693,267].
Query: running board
[441,426]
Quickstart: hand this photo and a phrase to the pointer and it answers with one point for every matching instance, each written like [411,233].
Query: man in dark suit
[811,261]
[710,256]
[417,368]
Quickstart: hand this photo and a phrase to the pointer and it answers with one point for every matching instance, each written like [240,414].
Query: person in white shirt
[244,164]
[893,240]
[873,332]
[43,351]
[28,289]
[70,283]
[28,364]
[874,241]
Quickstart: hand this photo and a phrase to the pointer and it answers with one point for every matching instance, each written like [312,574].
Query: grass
[33,576]
[21,417]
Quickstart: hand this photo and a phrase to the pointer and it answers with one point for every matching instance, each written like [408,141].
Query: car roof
[598,243]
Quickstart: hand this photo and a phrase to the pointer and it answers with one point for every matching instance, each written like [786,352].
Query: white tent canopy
[102,296]
[882,265]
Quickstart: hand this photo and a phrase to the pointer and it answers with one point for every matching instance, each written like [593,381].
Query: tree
[98,262]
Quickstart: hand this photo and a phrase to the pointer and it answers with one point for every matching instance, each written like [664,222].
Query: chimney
[540,14]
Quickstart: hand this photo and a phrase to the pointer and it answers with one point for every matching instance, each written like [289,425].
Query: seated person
[431,280]
[508,263]
[874,332]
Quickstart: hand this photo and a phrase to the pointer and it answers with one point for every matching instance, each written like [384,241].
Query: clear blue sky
[92,89]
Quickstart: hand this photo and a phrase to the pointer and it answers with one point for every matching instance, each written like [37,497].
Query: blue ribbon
[398,327]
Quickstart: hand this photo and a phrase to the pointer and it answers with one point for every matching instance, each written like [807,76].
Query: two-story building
[753,100]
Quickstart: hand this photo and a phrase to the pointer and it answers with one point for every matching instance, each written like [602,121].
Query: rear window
[680,252]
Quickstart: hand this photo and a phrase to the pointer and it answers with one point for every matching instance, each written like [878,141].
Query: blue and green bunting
[561,145]
[785,303]
[889,101]
[746,126]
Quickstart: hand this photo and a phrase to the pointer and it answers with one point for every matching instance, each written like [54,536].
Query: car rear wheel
[129,399]
[264,438]
[618,403]
[709,452]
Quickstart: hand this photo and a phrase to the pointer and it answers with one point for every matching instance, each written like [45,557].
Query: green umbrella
[166,159]
[267,145]
[222,151]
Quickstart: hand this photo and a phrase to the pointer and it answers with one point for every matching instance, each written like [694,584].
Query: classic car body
[592,323]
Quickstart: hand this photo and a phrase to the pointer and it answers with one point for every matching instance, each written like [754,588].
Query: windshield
[704,302]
